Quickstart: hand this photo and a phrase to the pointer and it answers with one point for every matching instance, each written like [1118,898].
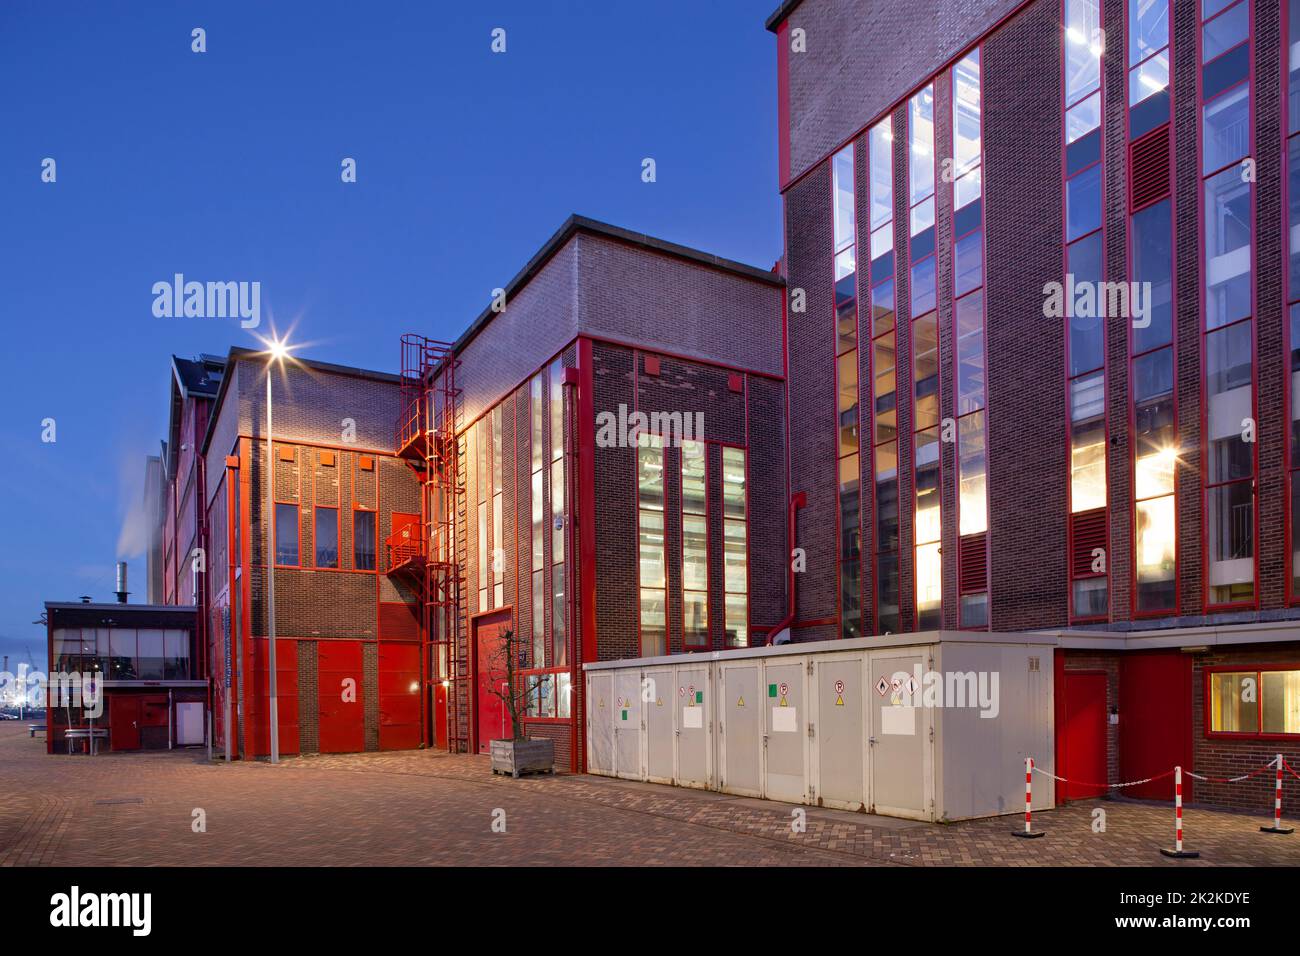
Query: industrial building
[1024,376]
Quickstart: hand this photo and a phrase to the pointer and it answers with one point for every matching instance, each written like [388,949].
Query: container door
[839,737]
[658,700]
[900,737]
[627,725]
[786,733]
[742,729]
[491,719]
[600,724]
[693,700]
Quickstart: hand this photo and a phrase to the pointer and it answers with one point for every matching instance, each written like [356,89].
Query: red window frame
[275,534]
[315,538]
[1172,344]
[374,513]
[708,548]
[912,322]
[1258,670]
[1070,379]
[981,290]
[1202,292]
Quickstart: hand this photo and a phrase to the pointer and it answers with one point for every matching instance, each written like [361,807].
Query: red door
[1155,713]
[439,722]
[342,725]
[491,722]
[124,722]
[399,696]
[1084,736]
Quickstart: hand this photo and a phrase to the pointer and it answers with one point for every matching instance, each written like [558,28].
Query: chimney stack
[121,592]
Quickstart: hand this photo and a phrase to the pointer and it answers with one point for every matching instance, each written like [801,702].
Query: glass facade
[848,461]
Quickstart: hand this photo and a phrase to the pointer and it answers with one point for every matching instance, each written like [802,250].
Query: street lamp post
[276,352]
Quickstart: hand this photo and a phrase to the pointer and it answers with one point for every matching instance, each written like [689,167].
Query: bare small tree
[505,683]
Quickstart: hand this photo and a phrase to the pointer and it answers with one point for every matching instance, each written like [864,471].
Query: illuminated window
[695,546]
[1085,327]
[1254,702]
[1148,65]
[559,650]
[537,418]
[1226,143]
[735,548]
[286,534]
[653,579]
[846,387]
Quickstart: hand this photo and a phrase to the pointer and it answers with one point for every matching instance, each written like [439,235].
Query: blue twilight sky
[225,165]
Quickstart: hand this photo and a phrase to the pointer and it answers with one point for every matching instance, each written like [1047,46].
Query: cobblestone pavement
[420,807]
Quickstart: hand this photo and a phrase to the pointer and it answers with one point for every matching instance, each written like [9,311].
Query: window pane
[1226,131]
[736,610]
[557,411]
[557,511]
[1148,79]
[1148,28]
[966,112]
[1090,599]
[968,267]
[850,599]
[1280,697]
[363,540]
[695,555]
[286,534]
[563,695]
[538,516]
[559,649]
[1083,203]
[920,132]
[1228,403]
[929,586]
[1082,118]
[735,563]
[733,482]
[695,618]
[882,176]
[847,374]
[927,522]
[925,371]
[538,417]
[970,353]
[1223,33]
[151,659]
[887,497]
[327,537]
[842,176]
[1234,702]
[1227,253]
[650,472]
[652,549]
[974,610]
[1087,330]
[1153,263]
[973,500]
[1156,531]
[1230,511]
[1083,48]
[654,623]
[1087,443]
[539,619]
[693,478]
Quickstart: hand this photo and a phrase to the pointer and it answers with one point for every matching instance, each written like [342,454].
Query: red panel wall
[399,696]
[342,722]
[1155,713]
[258,723]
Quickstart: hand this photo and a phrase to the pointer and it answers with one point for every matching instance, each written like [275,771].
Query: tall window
[326,537]
[481,455]
[846,387]
[884,379]
[968,316]
[538,563]
[1228,204]
[1293,279]
[1151,334]
[653,578]
[1085,328]
[559,648]
[1148,66]
[286,534]
[735,547]
[497,545]
[695,546]
[363,540]
[926,474]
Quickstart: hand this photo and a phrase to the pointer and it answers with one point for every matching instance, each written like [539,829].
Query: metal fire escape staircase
[426,555]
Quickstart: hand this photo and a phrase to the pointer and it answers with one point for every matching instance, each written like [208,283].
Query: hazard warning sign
[882,687]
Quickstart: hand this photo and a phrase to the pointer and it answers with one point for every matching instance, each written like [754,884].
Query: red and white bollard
[1277,805]
[1028,832]
[1178,850]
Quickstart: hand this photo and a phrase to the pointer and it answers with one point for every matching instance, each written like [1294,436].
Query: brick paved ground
[419,807]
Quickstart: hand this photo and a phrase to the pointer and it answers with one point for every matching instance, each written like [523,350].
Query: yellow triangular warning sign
[782,701]
[839,701]
[602,703]
[659,702]
[741,702]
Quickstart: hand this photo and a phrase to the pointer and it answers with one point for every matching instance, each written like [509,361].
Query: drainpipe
[797,501]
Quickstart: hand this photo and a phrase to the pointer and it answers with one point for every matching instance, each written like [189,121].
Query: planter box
[515,757]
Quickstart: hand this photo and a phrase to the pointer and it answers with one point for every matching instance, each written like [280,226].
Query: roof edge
[773,22]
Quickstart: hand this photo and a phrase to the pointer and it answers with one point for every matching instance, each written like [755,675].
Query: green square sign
[699,697]
[771,690]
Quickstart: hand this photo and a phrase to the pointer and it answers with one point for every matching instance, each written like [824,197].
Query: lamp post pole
[270,570]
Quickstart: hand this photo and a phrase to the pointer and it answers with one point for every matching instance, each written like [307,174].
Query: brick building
[991,433]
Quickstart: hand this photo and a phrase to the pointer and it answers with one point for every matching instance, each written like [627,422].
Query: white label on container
[898,720]
[692,718]
[785,720]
